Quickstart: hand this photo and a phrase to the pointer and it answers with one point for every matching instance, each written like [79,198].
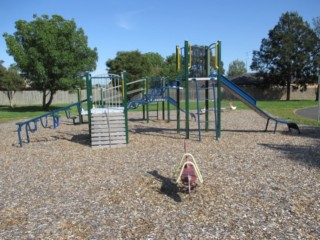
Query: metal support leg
[275,128]
[267,125]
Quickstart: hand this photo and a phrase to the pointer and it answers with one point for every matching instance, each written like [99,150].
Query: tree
[236,68]
[170,67]
[157,64]
[290,53]
[10,81]
[52,53]
[134,63]
[316,25]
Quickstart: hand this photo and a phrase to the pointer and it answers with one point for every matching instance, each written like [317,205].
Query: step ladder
[108,130]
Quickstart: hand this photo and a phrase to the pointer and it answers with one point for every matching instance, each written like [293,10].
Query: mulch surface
[257,185]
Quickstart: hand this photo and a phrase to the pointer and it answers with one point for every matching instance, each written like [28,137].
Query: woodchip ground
[257,185]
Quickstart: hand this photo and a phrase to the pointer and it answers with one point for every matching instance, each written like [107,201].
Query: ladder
[203,99]
[108,130]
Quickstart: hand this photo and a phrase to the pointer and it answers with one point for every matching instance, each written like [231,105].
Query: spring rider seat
[189,172]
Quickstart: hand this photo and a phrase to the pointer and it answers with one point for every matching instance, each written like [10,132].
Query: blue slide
[174,103]
[251,102]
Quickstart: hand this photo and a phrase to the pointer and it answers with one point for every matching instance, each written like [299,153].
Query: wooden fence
[65,97]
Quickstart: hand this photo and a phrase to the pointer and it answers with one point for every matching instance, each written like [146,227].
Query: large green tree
[289,54]
[157,64]
[10,81]
[170,67]
[52,53]
[236,68]
[133,62]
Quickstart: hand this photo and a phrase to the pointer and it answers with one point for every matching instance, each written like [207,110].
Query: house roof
[246,79]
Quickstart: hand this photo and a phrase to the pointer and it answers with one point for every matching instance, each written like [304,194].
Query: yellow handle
[178,58]
[216,64]
[190,56]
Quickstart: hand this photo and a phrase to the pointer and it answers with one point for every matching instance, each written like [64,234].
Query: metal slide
[251,102]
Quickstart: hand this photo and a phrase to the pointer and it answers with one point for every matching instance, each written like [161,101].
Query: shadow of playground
[308,155]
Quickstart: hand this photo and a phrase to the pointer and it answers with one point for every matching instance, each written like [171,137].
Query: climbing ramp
[108,129]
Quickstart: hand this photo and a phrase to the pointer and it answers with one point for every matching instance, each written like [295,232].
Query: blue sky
[160,25]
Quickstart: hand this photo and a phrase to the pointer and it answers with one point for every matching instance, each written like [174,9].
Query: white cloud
[128,20]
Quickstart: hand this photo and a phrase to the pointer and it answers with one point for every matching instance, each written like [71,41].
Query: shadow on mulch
[310,132]
[243,131]
[308,155]
[168,188]
[83,138]
[165,132]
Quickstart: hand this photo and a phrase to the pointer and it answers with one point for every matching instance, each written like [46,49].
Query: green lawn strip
[27,112]
[280,109]
[285,110]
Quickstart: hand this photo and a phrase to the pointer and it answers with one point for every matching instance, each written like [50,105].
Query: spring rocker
[188,171]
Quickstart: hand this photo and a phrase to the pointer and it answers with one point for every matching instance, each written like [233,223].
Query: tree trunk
[50,100]
[10,95]
[44,99]
[288,89]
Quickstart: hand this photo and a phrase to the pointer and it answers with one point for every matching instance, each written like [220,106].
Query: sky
[159,25]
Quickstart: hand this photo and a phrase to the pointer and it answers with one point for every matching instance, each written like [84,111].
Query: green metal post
[143,112]
[101,97]
[168,104]
[207,87]
[186,73]
[178,86]
[89,99]
[142,85]
[163,103]
[178,105]
[125,104]
[80,106]
[318,96]
[218,130]
[157,110]
[147,92]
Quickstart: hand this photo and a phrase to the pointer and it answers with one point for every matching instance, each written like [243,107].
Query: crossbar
[202,79]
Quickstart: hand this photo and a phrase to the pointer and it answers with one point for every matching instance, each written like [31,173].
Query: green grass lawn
[281,109]
[26,112]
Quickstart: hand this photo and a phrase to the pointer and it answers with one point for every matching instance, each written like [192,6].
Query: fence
[29,97]
[65,97]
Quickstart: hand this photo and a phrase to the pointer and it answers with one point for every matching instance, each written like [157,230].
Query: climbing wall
[108,130]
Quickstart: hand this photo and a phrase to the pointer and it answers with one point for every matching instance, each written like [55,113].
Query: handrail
[139,80]
[55,114]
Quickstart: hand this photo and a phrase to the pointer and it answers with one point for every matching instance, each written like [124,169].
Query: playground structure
[109,100]
[199,66]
